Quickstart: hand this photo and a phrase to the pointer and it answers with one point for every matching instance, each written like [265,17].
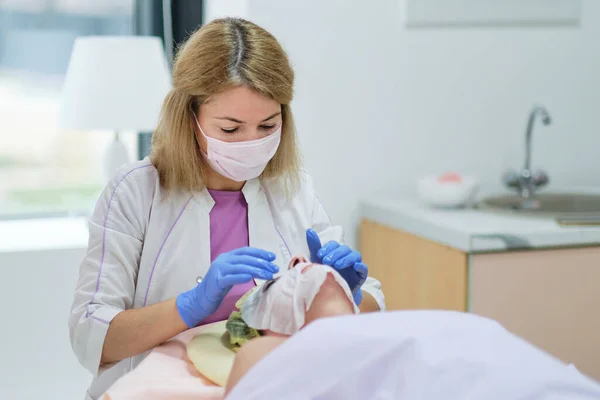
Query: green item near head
[239,331]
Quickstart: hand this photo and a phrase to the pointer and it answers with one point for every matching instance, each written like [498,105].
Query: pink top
[228,231]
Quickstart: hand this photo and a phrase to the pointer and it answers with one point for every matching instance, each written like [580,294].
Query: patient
[402,355]
[277,309]
[421,354]
[282,307]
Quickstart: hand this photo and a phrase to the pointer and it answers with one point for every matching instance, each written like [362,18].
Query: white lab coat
[146,247]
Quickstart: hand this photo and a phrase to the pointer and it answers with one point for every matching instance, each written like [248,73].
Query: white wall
[378,105]
[36,289]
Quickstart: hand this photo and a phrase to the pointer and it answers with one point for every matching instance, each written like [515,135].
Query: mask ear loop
[191,108]
[199,127]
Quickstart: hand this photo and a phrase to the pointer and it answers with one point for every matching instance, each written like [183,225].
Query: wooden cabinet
[416,273]
[550,297]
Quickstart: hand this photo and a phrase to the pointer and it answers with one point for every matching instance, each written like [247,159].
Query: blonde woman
[177,239]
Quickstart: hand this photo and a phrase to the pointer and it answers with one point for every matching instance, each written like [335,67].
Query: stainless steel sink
[546,204]
[568,208]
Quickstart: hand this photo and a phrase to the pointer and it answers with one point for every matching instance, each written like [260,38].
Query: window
[44,170]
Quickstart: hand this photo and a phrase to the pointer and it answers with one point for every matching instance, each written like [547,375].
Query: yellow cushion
[211,353]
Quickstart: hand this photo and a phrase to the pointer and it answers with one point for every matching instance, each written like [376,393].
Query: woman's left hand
[342,258]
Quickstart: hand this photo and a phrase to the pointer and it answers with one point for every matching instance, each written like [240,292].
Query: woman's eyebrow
[242,122]
[271,116]
[231,119]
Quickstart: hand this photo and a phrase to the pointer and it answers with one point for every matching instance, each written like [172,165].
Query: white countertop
[475,231]
[43,234]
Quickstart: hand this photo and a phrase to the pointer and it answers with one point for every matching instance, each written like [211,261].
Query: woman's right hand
[229,269]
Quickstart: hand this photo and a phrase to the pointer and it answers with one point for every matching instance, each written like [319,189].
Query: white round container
[436,192]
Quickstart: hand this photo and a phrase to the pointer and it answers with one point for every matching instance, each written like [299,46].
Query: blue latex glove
[341,257]
[231,268]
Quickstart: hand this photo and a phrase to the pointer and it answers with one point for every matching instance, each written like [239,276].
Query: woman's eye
[232,130]
[267,127]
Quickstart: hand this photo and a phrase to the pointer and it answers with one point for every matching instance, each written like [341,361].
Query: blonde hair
[222,54]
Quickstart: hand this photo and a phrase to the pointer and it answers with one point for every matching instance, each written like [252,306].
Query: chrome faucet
[526,181]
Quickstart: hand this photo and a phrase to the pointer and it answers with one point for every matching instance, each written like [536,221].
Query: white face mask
[282,309]
[241,161]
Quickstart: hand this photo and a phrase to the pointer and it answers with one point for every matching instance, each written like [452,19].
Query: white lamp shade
[115,83]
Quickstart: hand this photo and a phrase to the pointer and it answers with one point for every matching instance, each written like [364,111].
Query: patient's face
[331,300]
[304,293]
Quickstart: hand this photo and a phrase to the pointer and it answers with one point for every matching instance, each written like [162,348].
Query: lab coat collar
[204,198]
[250,190]
[262,233]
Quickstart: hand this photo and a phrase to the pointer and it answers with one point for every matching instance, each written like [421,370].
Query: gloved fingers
[362,270]
[228,281]
[253,252]
[328,248]
[314,245]
[252,262]
[348,260]
[337,254]
[236,269]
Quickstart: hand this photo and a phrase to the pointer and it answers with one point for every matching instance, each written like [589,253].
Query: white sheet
[411,355]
